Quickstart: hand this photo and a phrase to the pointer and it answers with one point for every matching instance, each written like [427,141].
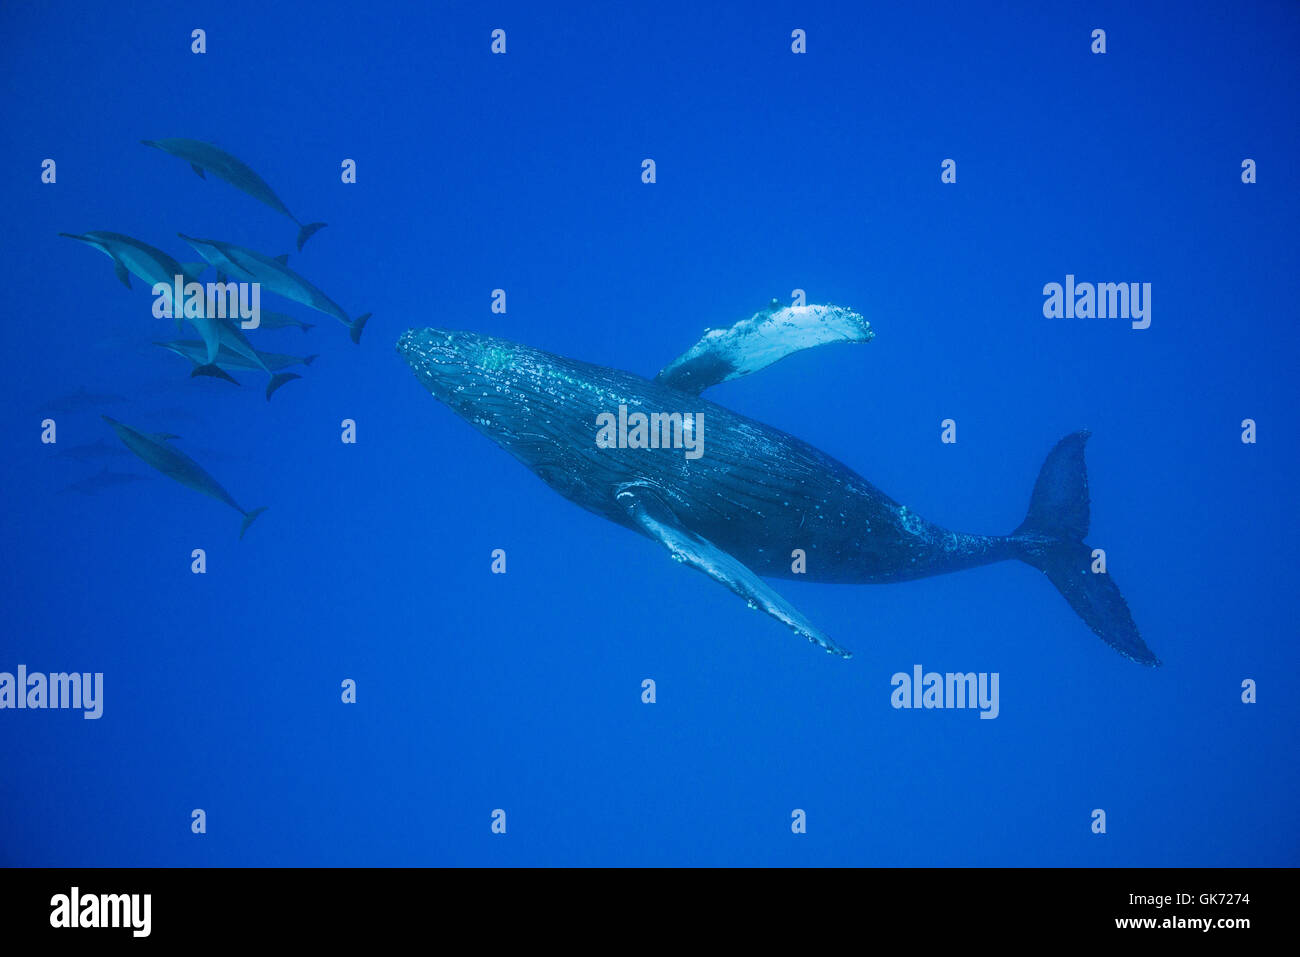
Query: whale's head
[539,407]
[462,369]
[503,388]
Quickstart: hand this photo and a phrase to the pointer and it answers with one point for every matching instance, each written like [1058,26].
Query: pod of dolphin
[221,345]
[735,516]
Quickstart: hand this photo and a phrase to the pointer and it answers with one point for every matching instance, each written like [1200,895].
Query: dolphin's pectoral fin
[211,336]
[652,515]
[199,169]
[760,340]
[120,272]
[214,370]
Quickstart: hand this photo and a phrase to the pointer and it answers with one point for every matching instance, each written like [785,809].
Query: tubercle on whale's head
[448,353]
[470,372]
[529,402]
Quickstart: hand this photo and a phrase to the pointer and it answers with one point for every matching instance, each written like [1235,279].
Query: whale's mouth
[432,354]
[442,352]
[416,341]
[463,369]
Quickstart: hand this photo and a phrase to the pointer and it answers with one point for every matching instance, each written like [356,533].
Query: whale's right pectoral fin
[755,343]
[651,514]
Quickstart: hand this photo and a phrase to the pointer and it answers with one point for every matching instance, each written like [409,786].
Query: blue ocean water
[775,171]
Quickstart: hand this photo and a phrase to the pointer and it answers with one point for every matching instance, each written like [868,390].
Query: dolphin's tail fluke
[277,380]
[1051,540]
[307,232]
[354,330]
[248,520]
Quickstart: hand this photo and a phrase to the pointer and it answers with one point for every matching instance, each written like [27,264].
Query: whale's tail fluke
[1051,540]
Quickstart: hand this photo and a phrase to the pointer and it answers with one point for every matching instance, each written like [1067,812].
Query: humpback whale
[737,512]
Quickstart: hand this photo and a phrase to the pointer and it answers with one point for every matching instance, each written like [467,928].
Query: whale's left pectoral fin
[755,343]
[648,511]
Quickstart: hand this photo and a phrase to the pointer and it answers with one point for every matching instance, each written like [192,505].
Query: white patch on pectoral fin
[650,513]
[760,340]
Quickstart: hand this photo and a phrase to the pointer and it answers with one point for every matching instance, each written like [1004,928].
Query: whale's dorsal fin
[649,512]
[760,340]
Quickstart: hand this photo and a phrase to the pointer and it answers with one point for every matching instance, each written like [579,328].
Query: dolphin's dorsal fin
[757,342]
[282,259]
[656,519]
[164,436]
[198,169]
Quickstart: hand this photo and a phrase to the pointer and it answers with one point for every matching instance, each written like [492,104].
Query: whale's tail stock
[1051,540]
